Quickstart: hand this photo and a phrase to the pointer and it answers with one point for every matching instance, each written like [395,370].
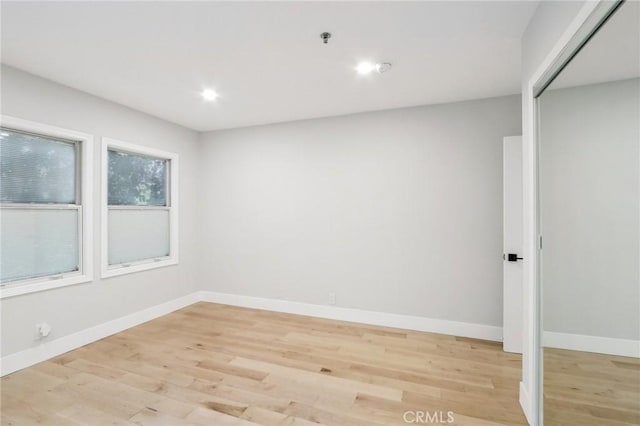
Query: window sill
[139,267]
[42,284]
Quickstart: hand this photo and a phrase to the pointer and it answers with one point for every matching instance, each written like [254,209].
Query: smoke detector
[383,67]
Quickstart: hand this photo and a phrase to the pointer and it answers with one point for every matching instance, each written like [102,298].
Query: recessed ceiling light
[209,95]
[365,67]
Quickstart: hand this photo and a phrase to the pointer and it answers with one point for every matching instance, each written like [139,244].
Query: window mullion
[34,206]
[119,207]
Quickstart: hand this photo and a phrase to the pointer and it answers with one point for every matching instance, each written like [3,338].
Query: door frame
[589,19]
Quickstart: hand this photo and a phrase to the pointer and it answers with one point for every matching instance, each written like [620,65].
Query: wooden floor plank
[592,389]
[211,364]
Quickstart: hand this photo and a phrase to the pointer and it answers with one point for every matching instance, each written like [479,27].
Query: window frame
[83,205]
[107,270]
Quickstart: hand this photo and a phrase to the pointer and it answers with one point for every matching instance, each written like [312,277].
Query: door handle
[512,257]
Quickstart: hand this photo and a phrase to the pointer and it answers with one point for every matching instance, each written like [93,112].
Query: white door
[512,244]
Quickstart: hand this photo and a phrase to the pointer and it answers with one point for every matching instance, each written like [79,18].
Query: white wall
[589,208]
[75,308]
[397,211]
[551,22]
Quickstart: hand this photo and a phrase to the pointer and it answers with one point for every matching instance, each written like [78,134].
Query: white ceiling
[266,59]
[612,54]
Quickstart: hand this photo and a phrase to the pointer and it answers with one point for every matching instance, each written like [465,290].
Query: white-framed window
[139,208]
[46,228]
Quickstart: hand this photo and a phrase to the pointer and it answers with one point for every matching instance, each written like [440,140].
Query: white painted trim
[531,358]
[48,350]
[142,266]
[86,221]
[173,258]
[597,344]
[19,288]
[525,401]
[408,322]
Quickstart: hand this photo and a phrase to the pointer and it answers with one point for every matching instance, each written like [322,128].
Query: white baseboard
[48,350]
[525,403]
[408,322]
[601,345]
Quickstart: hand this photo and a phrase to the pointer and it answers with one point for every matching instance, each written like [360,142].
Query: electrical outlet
[42,330]
[332,298]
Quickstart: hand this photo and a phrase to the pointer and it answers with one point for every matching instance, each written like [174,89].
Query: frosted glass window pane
[137,235]
[35,169]
[136,180]
[37,242]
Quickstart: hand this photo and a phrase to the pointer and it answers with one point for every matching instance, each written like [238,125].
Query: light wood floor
[212,364]
[582,388]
